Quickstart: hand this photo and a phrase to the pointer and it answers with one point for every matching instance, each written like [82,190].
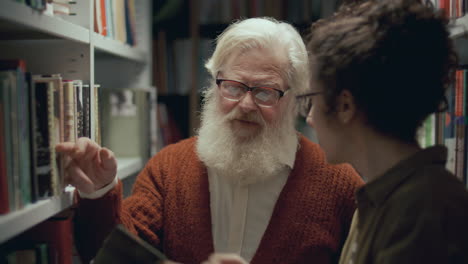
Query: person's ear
[346,107]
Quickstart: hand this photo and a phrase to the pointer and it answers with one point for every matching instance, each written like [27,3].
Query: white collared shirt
[240,214]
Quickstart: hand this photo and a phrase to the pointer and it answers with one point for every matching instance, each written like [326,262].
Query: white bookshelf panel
[113,47]
[16,222]
[459,27]
[20,21]
[69,58]
[117,73]
[128,166]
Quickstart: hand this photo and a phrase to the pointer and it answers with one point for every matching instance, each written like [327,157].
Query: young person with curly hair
[378,70]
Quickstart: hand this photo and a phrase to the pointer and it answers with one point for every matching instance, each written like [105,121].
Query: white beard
[241,156]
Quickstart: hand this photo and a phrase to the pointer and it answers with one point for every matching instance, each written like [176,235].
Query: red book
[103,18]
[57,233]
[13,65]
[446,5]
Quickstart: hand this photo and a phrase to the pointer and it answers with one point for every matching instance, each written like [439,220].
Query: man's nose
[247,103]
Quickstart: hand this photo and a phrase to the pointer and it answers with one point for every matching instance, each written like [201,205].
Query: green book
[121,247]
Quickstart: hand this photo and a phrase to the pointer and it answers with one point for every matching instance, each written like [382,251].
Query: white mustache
[254,117]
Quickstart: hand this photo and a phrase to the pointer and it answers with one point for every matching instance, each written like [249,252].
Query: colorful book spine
[69,106]
[43,126]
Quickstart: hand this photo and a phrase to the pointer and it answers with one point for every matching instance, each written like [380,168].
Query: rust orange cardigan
[170,209]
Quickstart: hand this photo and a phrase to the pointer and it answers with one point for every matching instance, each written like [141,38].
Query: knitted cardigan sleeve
[141,213]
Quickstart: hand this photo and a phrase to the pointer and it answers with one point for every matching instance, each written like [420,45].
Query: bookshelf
[111,47]
[128,167]
[21,21]
[192,30]
[459,27]
[70,46]
[16,222]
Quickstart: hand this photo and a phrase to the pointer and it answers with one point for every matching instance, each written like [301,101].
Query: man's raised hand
[88,166]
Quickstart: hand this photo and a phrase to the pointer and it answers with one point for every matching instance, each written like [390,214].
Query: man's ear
[346,107]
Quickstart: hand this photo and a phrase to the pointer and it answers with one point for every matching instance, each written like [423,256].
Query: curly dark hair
[394,56]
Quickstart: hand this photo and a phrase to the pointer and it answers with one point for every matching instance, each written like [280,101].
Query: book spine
[43,135]
[86,112]
[69,105]
[95,113]
[9,159]
[32,138]
[79,109]
[24,136]
[59,117]
[14,130]
[4,193]
[109,18]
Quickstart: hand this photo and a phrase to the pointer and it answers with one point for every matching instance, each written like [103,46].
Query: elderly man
[248,184]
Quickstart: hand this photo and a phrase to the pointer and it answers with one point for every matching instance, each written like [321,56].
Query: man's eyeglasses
[304,103]
[235,91]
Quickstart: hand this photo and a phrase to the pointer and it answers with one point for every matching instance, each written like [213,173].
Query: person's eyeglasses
[304,103]
[235,91]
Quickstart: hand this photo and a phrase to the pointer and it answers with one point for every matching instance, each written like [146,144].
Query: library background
[129,75]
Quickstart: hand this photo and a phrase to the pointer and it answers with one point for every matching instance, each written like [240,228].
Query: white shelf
[128,166]
[16,222]
[116,48]
[459,27]
[20,19]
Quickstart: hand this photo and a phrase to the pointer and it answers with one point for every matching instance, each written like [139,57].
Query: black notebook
[121,246]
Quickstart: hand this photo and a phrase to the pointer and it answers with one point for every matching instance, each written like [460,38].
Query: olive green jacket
[417,212]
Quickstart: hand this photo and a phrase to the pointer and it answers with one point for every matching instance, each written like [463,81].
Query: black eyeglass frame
[308,95]
[251,89]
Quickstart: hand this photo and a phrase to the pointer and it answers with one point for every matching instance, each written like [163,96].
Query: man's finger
[76,177]
[65,147]
[108,161]
[82,149]
[87,146]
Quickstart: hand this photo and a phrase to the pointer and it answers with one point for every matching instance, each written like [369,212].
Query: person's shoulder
[432,190]
[313,158]
[436,182]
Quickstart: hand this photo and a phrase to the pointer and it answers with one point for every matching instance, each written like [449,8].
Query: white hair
[264,33]
[244,162]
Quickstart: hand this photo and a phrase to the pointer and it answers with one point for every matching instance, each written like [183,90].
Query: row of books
[36,113]
[452,8]
[450,128]
[294,11]
[51,7]
[50,242]
[115,19]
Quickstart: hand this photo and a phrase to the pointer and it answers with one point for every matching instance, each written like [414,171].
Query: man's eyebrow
[266,84]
